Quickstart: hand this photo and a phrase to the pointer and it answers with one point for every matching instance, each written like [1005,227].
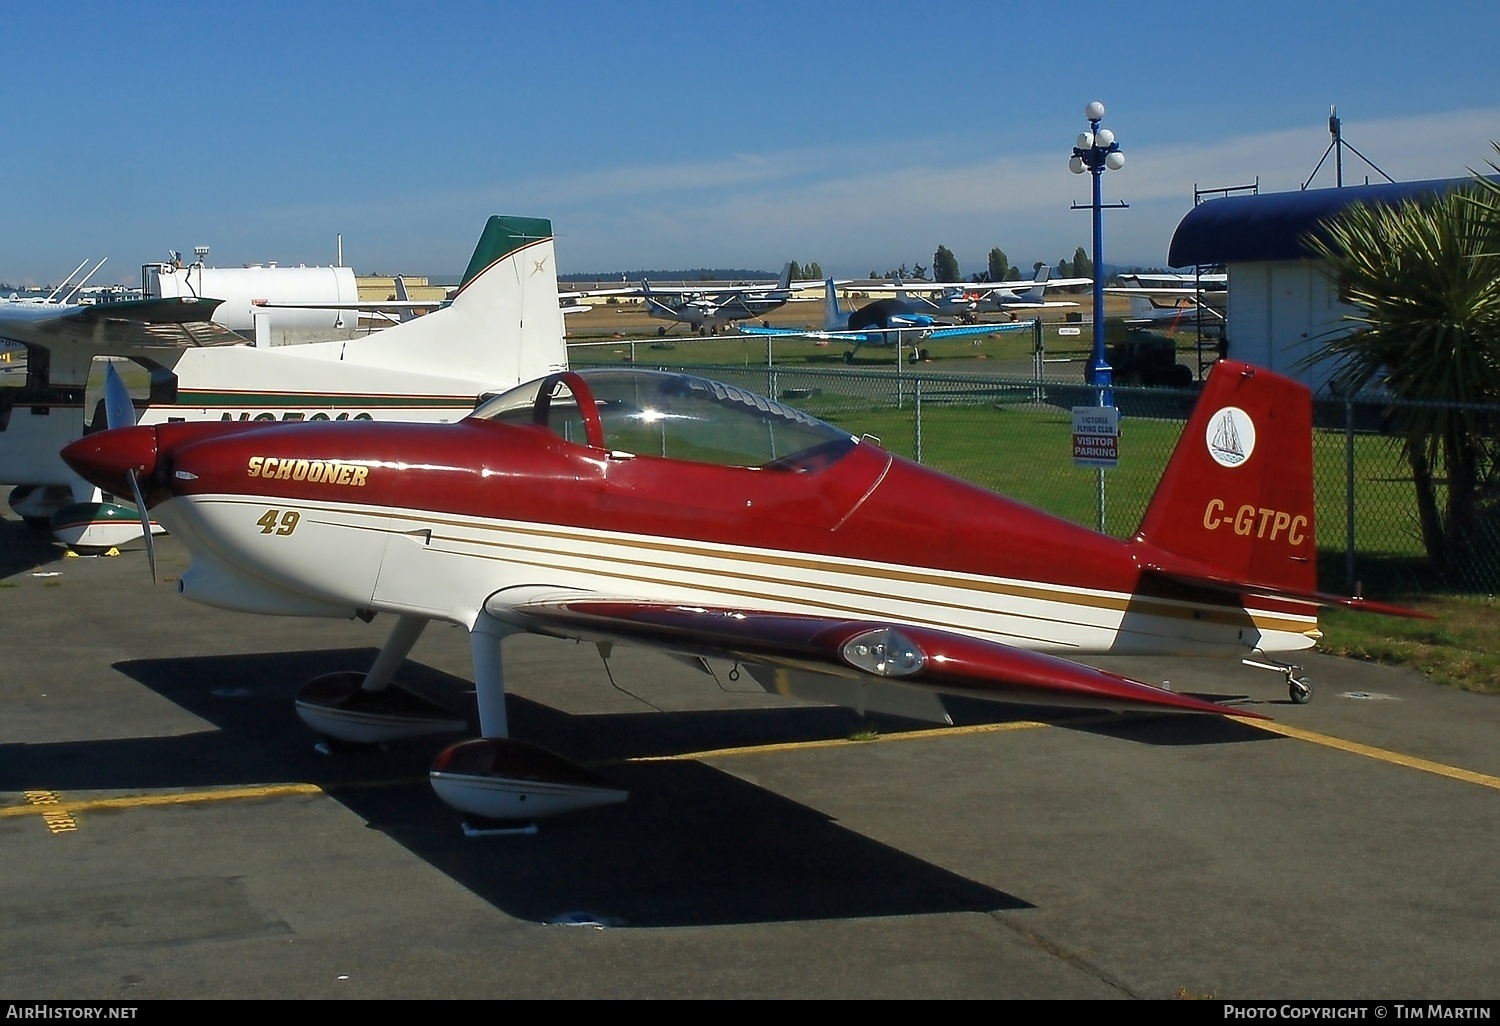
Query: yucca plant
[1425,277]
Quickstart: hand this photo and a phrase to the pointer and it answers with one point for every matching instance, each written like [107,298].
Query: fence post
[917,402]
[1349,494]
[900,390]
[1038,357]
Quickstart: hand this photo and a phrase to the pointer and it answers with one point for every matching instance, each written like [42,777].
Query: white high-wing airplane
[707,308]
[502,327]
[964,300]
[1172,302]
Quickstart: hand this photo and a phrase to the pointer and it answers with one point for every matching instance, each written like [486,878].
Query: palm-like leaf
[1425,277]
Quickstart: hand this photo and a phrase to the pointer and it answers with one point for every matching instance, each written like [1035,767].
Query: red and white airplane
[705,520]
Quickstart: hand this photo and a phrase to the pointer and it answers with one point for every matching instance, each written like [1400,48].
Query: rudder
[1237,495]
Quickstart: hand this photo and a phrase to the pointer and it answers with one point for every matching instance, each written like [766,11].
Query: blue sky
[860,135]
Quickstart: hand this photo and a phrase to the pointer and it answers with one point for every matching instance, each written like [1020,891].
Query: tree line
[997,268]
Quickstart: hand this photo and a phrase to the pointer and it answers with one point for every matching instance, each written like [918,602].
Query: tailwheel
[508,783]
[338,706]
[1299,689]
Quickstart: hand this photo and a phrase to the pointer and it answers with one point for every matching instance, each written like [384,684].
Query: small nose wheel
[1299,690]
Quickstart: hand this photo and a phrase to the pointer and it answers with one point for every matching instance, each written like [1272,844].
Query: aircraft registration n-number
[673,511]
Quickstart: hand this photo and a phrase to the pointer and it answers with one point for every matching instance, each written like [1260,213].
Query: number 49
[282,523]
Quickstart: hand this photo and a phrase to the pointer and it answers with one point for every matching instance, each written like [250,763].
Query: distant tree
[1083,267]
[797,272]
[1064,269]
[999,264]
[1037,267]
[944,265]
[918,272]
[812,271]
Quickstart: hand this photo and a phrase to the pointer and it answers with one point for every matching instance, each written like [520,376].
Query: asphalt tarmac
[169,829]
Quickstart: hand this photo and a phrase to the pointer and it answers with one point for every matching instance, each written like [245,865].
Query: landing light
[885,653]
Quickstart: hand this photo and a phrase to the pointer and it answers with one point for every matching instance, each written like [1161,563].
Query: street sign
[1096,436]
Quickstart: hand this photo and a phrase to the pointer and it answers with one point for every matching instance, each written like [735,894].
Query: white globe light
[1094,111]
[1115,161]
[1103,138]
[1085,140]
[1075,165]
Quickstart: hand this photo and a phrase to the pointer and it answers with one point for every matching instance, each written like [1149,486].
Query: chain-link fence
[1014,435]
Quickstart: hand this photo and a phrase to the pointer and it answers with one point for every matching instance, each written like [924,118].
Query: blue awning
[1272,226]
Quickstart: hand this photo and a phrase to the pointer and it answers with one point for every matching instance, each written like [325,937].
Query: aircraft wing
[374,306]
[167,323]
[780,648]
[878,336]
[968,287]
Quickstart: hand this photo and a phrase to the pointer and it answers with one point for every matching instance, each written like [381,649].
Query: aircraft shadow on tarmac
[692,846]
[23,547]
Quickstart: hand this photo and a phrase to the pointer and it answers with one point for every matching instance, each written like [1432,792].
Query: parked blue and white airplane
[965,300]
[885,322]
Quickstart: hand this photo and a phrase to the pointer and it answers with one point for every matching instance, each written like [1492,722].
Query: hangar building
[1283,301]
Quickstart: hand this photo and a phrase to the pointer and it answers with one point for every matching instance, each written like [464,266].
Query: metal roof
[1272,226]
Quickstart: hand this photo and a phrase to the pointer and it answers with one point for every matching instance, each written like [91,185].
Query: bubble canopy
[671,416]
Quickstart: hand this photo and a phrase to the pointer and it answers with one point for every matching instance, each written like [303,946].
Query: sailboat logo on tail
[1230,436]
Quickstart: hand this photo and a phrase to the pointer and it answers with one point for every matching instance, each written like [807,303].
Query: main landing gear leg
[502,784]
[489,674]
[362,709]
[1298,688]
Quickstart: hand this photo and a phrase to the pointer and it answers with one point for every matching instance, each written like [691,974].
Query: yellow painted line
[58,819]
[1382,754]
[58,814]
[797,746]
[189,797]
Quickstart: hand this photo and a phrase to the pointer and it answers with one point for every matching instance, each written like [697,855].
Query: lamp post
[1097,150]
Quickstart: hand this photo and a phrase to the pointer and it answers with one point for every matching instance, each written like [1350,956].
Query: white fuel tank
[244,289]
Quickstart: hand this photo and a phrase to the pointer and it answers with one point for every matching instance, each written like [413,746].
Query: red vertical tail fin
[1236,501]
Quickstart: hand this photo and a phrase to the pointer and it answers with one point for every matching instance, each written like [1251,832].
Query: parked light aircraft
[885,322]
[502,327]
[1171,302]
[965,300]
[701,519]
[706,309]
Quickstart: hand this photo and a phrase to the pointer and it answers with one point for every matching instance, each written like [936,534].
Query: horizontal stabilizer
[1205,578]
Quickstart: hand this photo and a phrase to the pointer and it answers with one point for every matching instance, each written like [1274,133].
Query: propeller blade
[119,411]
[140,504]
